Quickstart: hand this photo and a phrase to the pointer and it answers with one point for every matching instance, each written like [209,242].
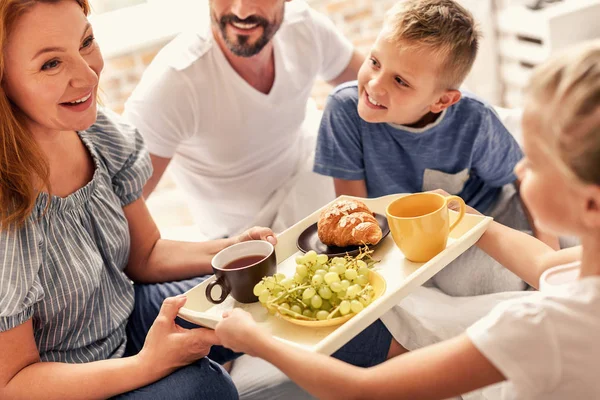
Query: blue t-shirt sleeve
[339,152]
[495,152]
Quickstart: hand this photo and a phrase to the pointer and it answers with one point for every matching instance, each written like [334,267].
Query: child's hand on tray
[239,332]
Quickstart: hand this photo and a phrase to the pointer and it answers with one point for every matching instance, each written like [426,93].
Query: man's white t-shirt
[233,146]
[546,344]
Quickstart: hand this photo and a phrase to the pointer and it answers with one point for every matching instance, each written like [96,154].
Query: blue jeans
[203,380]
[368,348]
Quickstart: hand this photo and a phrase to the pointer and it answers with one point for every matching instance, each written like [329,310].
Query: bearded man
[225,108]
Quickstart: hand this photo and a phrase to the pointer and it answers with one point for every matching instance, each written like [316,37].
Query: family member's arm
[24,376]
[351,71]
[525,255]
[159,165]
[437,372]
[440,371]
[356,188]
[550,239]
[335,55]
[153,259]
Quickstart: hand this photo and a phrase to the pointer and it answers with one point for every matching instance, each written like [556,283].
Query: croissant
[348,223]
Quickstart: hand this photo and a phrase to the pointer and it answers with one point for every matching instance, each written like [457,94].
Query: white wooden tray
[402,277]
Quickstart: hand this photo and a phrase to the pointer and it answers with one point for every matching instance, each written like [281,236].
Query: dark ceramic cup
[239,268]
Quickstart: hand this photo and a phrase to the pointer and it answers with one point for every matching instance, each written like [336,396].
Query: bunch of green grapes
[322,288]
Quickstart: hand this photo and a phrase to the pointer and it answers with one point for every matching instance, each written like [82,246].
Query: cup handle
[461,214]
[224,290]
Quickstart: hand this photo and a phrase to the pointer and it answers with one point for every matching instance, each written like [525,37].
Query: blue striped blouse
[64,268]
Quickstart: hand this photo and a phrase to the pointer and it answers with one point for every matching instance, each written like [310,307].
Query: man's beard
[240,45]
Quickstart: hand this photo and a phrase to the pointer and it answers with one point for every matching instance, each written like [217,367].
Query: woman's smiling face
[52,67]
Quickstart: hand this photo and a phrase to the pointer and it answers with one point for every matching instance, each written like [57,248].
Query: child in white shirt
[543,345]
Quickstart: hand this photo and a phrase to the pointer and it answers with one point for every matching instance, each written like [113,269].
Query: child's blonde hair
[443,26]
[566,94]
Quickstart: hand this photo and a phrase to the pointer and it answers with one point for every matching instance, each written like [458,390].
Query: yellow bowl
[375,280]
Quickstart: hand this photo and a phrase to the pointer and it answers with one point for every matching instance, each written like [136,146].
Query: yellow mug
[420,224]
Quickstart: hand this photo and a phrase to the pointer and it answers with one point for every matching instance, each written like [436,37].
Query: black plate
[309,240]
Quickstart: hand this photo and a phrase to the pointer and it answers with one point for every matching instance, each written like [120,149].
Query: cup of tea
[420,224]
[238,268]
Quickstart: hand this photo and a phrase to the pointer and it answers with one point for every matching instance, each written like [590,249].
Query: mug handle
[461,214]
[224,290]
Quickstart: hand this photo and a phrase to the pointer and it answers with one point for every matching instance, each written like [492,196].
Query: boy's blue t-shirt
[467,151]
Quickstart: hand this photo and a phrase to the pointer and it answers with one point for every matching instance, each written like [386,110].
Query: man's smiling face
[247,26]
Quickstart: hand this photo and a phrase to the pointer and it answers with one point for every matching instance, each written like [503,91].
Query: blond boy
[405,126]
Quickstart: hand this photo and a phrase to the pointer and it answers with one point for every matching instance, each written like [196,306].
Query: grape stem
[331,314]
[293,313]
[367,287]
[286,292]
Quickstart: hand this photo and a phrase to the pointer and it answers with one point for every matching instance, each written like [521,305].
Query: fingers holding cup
[258,233]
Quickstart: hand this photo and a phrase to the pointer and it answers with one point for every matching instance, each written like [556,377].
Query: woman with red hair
[75,231]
